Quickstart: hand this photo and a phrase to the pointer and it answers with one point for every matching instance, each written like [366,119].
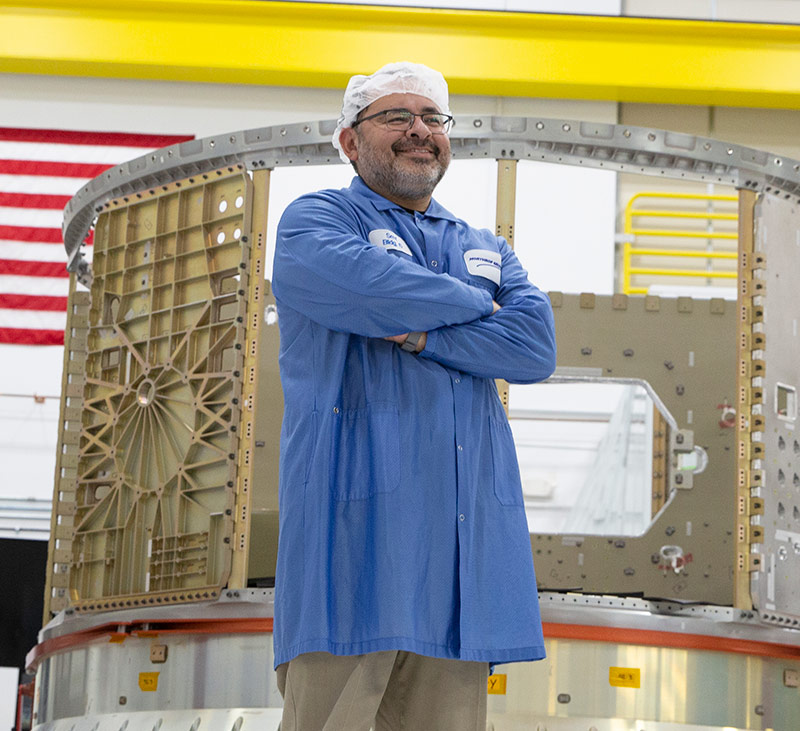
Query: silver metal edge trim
[558,608]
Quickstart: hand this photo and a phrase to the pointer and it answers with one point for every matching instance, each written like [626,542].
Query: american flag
[40,170]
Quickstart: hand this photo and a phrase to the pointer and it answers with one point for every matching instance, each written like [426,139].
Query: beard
[394,175]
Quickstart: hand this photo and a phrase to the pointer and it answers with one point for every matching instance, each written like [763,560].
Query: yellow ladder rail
[630,249]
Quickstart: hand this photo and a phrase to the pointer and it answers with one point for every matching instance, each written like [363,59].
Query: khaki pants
[384,691]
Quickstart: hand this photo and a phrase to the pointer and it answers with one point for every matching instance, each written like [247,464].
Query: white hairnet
[403,77]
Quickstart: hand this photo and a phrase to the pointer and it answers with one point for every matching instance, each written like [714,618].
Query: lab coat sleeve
[516,343]
[325,269]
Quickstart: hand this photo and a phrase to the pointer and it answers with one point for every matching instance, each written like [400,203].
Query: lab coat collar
[435,210]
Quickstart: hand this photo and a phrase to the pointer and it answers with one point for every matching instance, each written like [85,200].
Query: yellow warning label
[497,684]
[148,682]
[625,677]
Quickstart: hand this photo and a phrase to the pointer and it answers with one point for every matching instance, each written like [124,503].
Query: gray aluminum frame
[615,147]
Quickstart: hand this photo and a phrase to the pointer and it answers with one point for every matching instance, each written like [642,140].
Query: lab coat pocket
[365,452]
[505,468]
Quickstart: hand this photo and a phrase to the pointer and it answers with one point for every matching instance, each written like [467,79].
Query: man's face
[401,165]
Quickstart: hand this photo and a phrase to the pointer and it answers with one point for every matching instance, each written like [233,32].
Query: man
[404,563]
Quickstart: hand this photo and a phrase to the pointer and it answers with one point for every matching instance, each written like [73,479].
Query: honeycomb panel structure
[158,458]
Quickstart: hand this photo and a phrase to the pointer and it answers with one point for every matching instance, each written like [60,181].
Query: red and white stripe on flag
[40,170]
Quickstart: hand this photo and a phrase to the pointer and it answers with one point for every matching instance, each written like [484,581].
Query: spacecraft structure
[159,589]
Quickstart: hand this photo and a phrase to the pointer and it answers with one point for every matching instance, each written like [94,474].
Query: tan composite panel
[749,317]
[59,552]
[158,465]
[504,226]
[685,349]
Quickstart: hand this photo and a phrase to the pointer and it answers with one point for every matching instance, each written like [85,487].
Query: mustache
[402,145]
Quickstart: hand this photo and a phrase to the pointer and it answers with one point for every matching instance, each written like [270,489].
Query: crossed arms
[325,270]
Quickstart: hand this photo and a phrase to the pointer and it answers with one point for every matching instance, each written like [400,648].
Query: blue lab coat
[402,525]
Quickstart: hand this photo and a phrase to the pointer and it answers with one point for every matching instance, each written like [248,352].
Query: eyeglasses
[402,120]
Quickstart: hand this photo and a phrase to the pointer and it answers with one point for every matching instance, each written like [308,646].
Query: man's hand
[399,339]
[495,307]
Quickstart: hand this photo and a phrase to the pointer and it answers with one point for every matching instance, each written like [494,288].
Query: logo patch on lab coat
[484,263]
[388,240]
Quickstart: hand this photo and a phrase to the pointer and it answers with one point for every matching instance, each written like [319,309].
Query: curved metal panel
[613,147]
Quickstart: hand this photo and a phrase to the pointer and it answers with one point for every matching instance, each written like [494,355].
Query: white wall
[9,679]
[757,11]
[583,7]
[28,428]
[205,109]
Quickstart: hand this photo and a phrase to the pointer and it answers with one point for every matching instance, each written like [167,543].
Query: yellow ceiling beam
[480,52]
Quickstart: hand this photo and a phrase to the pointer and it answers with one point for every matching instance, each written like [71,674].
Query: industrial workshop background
[111,80]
